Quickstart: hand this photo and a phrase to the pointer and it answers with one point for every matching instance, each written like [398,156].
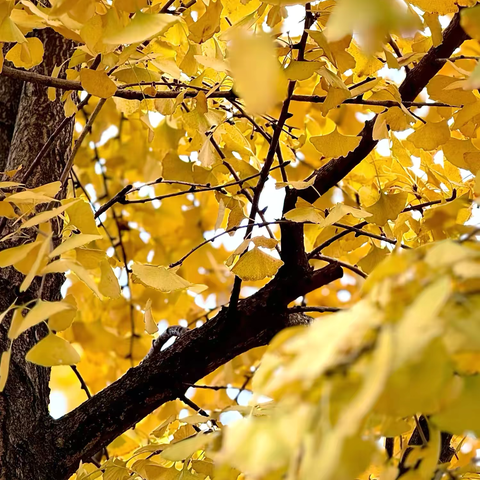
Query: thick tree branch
[416,80]
[162,375]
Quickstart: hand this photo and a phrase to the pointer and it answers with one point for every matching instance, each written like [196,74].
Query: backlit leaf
[97,83]
[388,207]
[335,144]
[39,313]
[142,27]
[256,265]
[159,278]
[53,350]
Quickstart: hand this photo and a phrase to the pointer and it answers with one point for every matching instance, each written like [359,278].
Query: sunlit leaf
[142,27]
[53,350]
[97,83]
[335,144]
[256,265]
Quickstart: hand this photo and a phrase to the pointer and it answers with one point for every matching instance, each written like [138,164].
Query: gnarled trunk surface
[27,119]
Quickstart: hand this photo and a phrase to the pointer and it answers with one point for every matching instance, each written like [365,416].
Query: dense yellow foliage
[186,99]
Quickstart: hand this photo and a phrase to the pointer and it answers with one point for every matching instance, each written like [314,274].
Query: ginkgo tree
[239,239]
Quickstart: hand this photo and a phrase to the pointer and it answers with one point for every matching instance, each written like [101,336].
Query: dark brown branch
[416,80]
[162,376]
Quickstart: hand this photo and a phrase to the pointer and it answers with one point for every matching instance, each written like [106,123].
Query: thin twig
[63,84]
[78,143]
[342,264]
[81,380]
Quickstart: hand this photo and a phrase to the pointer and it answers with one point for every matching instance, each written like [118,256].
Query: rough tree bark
[27,119]
[34,446]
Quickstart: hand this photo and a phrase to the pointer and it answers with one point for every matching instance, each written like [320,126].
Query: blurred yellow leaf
[185,448]
[256,72]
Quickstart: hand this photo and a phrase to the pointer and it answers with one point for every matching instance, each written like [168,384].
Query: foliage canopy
[237,168]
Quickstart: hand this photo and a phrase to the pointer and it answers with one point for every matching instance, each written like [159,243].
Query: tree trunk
[27,119]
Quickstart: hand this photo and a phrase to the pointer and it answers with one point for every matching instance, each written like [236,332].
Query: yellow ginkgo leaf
[9,32]
[49,189]
[37,264]
[305,214]
[208,24]
[335,97]
[108,285]
[264,242]
[372,259]
[256,265]
[430,135]
[150,324]
[97,82]
[339,211]
[73,242]
[61,266]
[10,184]
[298,185]
[47,215]
[29,196]
[53,350]
[62,320]
[12,255]
[438,6]
[160,278]
[39,313]
[335,144]
[4,368]
[81,215]
[388,207]
[27,54]
[302,70]
[142,27]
